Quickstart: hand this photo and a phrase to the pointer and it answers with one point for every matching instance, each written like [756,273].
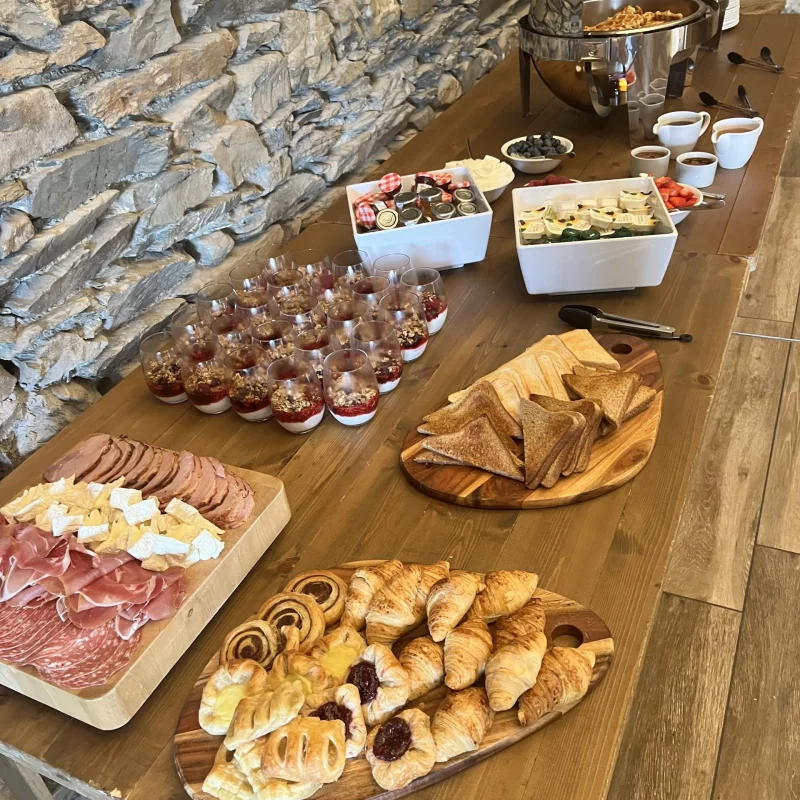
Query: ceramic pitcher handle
[706,121]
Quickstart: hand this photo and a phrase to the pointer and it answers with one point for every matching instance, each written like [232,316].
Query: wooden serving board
[616,458]
[568,624]
[208,585]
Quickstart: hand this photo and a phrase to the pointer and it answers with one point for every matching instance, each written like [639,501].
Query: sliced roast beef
[81,459]
[125,449]
[105,466]
[143,469]
[183,483]
[166,472]
[206,484]
[220,493]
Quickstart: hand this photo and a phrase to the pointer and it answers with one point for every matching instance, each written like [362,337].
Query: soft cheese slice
[189,514]
[122,498]
[93,533]
[141,512]
[66,523]
[141,542]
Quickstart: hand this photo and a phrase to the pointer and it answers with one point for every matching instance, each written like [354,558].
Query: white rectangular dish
[599,265]
[445,244]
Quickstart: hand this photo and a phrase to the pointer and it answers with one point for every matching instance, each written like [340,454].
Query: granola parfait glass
[295,393]
[286,283]
[314,345]
[215,299]
[161,367]
[191,334]
[370,290]
[405,313]
[350,266]
[311,262]
[427,283]
[276,338]
[350,386]
[231,332]
[247,278]
[273,258]
[254,308]
[326,287]
[246,379]
[392,267]
[379,341]
[205,382]
[304,312]
[343,318]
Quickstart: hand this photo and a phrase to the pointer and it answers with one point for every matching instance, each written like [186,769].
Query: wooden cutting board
[616,458]
[208,586]
[568,624]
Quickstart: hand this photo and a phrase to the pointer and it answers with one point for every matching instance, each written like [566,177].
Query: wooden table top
[350,500]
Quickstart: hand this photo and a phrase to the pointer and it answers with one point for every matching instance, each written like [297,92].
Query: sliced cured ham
[184,481]
[79,460]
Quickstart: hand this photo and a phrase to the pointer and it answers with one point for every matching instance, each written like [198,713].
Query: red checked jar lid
[390,184]
[458,185]
[372,197]
[365,216]
[443,179]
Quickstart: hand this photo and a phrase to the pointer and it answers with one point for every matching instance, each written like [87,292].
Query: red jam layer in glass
[433,307]
[388,374]
[167,389]
[418,342]
[204,397]
[355,411]
[298,416]
[249,408]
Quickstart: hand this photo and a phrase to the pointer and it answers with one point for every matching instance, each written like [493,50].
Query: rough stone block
[422,117]
[33,124]
[197,115]
[211,249]
[15,230]
[311,144]
[305,38]
[63,182]
[194,60]
[262,84]
[151,31]
[53,242]
[251,37]
[111,19]
[378,16]
[28,19]
[414,9]
[7,384]
[11,192]
[225,13]
[57,359]
[283,203]
[276,131]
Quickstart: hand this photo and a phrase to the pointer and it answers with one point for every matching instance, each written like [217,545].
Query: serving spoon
[738,59]
[766,55]
[709,100]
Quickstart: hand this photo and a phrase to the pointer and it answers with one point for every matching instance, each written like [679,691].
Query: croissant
[522,624]
[338,650]
[466,650]
[255,640]
[505,592]
[264,713]
[326,587]
[400,605]
[307,750]
[381,682]
[299,610]
[461,722]
[423,661]
[364,584]
[391,771]
[562,682]
[225,688]
[513,669]
[292,666]
[344,703]
[449,600]
[226,781]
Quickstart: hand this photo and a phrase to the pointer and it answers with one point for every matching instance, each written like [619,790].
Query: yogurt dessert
[489,172]
[353,408]
[298,409]
[206,388]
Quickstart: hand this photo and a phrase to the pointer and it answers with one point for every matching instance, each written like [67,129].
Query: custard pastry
[307,750]
[381,681]
[401,749]
[255,640]
[423,661]
[337,651]
[505,592]
[294,667]
[226,781]
[248,758]
[513,669]
[344,703]
[326,587]
[524,623]
[263,713]
[364,584]
[461,722]
[449,600]
[299,610]
[563,680]
[466,650]
[226,686]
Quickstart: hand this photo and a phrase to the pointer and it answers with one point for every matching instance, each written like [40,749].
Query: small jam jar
[161,366]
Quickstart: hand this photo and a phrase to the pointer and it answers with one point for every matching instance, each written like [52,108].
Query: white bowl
[493,194]
[681,215]
[538,165]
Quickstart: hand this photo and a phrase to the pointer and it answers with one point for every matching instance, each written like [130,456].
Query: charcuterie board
[616,458]
[568,624]
[208,586]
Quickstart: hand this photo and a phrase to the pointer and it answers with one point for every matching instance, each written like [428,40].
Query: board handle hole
[621,349]
[566,636]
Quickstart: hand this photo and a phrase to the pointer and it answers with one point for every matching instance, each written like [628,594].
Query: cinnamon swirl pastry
[298,610]
[326,587]
[256,640]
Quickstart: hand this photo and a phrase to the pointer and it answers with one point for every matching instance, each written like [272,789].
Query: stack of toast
[558,397]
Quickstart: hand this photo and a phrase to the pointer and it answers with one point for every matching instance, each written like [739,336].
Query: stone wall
[140,141]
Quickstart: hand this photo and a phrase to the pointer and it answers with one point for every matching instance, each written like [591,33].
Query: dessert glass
[214,299]
[405,313]
[191,334]
[342,318]
[314,346]
[379,341]
[161,366]
[247,278]
[311,262]
[303,311]
[392,267]
[246,379]
[350,386]
[205,383]
[254,308]
[230,332]
[427,283]
[330,289]
[286,283]
[273,258]
[351,265]
[369,291]
[275,337]
[296,394]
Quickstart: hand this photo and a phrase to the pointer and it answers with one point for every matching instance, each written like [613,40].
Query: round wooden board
[568,624]
[616,458]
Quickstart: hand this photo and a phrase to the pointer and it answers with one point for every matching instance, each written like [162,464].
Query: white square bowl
[445,244]
[598,265]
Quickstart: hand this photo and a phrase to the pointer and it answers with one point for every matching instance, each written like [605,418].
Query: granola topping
[164,379]
[412,333]
[295,404]
[387,368]
[206,384]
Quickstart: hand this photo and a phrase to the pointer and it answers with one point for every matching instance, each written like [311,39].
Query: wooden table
[351,501]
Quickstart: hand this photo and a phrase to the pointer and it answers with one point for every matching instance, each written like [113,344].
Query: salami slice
[20,628]
[53,649]
[77,646]
[44,630]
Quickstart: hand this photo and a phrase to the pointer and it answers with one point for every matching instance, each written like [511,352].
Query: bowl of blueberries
[531,154]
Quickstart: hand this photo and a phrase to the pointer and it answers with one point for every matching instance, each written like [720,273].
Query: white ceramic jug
[680,130]
[734,150]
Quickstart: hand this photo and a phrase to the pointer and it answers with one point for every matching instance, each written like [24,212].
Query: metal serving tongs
[592,318]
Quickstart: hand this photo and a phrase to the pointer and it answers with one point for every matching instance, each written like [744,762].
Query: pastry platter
[615,458]
[567,625]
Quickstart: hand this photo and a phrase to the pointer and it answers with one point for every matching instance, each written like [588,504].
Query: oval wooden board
[568,623]
[616,458]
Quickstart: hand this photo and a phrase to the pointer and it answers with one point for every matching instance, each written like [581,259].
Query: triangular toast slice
[481,400]
[527,367]
[552,344]
[568,455]
[545,435]
[553,367]
[589,372]
[613,392]
[592,413]
[426,457]
[588,350]
[478,444]
[641,400]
